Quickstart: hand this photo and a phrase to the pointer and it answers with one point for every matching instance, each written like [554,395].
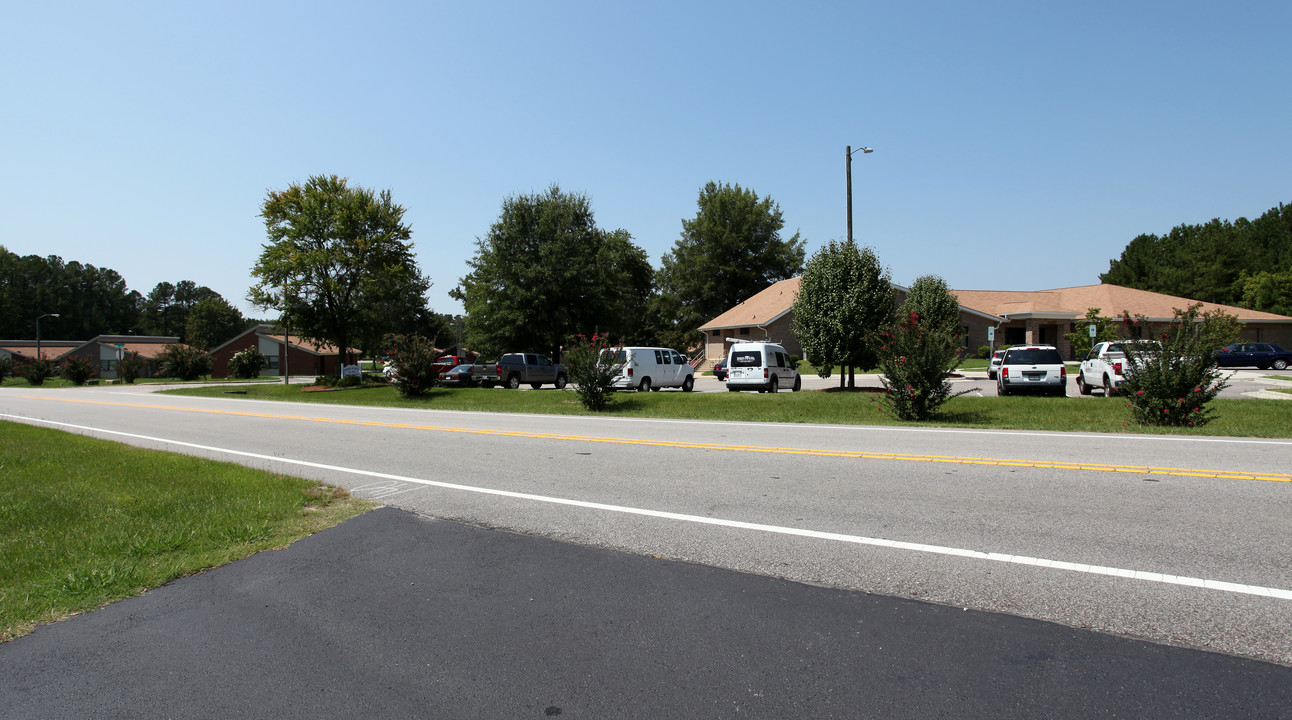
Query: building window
[271,362]
[717,333]
[105,366]
[744,331]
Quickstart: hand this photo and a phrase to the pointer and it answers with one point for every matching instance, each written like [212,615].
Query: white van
[764,367]
[651,368]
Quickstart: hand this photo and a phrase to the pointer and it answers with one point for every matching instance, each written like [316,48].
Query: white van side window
[668,358]
[658,360]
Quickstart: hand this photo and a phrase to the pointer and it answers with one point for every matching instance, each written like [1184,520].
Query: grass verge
[84,522]
[1237,418]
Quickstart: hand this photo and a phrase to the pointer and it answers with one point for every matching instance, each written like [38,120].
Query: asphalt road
[1178,541]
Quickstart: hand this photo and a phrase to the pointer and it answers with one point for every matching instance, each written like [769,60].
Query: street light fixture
[849,152]
[38,332]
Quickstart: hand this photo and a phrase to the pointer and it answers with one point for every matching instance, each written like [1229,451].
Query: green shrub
[413,358]
[183,361]
[6,367]
[594,363]
[326,380]
[130,368]
[78,370]
[350,381]
[246,364]
[984,352]
[915,361]
[1171,383]
[37,372]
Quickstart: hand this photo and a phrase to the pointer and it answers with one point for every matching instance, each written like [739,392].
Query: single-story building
[1042,317]
[297,356]
[23,352]
[105,351]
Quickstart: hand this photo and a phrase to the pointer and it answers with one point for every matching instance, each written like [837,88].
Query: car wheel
[688,384]
[798,383]
[644,386]
[1109,389]
[1083,386]
[991,375]
[513,382]
[774,385]
[560,382]
[1001,390]
[1280,364]
[536,385]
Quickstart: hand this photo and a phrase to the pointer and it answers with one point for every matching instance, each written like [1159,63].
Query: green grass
[1236,417]
[84,522]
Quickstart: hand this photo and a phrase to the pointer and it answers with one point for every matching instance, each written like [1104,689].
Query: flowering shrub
[413,358]
[183,361]
[594,362]
[6,367]
[78,370]
[37,372]
[1172,385]
[130,367]
[915,361]
[246,363]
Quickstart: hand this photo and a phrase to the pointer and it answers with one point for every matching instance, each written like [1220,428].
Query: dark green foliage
[246,364]
[78,370]
[183,361]
[545,270]
[350,381]
[730,250]
[413,358]
[90,301]
[339,264]
[916,360]
[38,372]
[845,301]
[1245,262]
[130,367]
[931,299]
[212,322]
[168,309]
[591,370]
[1171,381]
[6,367]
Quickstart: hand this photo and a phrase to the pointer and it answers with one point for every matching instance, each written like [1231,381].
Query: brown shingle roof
[761,309]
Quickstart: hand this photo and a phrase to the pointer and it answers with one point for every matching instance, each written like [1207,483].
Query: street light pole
[38,332]
[848,152]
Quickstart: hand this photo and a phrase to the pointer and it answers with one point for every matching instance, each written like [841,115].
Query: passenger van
[764,367]
[650,368]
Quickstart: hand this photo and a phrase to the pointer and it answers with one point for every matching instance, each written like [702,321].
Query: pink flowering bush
[413,358]
[1171,382]
[78,369]
[915,360]
[594,363]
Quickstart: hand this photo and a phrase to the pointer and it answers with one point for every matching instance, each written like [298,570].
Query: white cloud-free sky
[1018,145]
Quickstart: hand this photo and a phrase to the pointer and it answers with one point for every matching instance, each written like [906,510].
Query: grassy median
[1235,417]
[84,522]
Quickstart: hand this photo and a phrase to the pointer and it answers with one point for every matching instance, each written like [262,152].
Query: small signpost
[351,371]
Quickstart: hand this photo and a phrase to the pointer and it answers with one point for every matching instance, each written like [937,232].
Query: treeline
[92,301]
[1247,263]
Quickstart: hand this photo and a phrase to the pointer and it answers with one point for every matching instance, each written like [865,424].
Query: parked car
[1032,368]
[993,365]
[1260,355]
[459,376]
[515,369]
[650,368]
[764,367]
[720,369]
[1107,365]
[389,370]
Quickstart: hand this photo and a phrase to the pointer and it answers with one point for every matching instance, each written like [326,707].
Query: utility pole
[848,169]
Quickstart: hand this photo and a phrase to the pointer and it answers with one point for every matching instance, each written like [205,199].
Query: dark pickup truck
[515,369]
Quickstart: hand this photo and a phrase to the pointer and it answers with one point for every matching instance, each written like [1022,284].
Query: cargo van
[650,368]
[764,367]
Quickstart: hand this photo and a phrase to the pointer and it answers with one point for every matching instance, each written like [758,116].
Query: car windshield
[1033,356]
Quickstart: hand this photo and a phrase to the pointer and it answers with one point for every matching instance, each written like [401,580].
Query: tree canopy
[212,322]
[546,272]
[937,307]
[338,256]
[90,301]
[730,250]
[1247,263]
[845,298]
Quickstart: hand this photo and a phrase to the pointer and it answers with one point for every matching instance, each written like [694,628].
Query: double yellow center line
[816,452]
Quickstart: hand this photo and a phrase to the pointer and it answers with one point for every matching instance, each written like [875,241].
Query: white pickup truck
[1105,366]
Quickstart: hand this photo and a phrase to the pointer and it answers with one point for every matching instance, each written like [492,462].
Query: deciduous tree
[845,299]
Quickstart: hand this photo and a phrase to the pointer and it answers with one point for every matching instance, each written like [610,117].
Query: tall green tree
[546,272]
[730,250]
[89,300]
[336,255]
[845,299]
[212,322]
[937,307]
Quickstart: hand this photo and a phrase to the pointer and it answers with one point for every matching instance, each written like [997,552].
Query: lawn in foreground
[1235,418]
[84,522]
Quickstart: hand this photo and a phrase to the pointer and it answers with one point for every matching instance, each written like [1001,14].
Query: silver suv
[1032,368]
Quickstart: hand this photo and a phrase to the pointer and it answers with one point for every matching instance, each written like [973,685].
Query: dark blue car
[720,369]
[1261,355]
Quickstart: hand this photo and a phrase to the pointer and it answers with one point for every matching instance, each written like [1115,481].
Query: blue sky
[1018,145]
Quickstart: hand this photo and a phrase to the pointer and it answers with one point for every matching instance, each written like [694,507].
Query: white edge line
[738,524]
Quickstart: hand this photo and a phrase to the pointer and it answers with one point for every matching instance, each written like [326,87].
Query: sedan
[720,369]
[1261,355]
[459,376]
[993,366]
